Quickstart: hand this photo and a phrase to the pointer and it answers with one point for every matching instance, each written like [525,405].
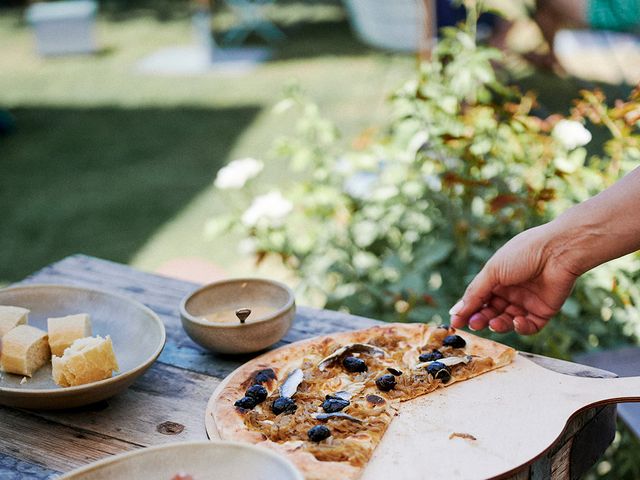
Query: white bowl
[202,460]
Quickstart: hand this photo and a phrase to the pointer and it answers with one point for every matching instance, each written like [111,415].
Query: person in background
[553,15]
[450,14]
[526,281]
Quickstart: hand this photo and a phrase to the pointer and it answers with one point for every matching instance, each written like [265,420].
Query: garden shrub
[395,224]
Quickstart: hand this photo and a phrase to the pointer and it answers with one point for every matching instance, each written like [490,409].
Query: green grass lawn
[110,162]
[114,163]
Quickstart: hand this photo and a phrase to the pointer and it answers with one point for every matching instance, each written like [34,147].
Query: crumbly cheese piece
[24,350]
[63,331]
[86,360]
[11,317]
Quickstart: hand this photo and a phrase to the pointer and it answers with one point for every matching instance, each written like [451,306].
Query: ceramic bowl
[201,460]
[251,336]
[137,333]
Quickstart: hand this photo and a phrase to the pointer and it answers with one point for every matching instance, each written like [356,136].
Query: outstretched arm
[526,281]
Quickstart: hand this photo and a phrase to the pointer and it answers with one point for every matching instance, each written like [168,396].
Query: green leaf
[434,254]
[365,233]
[218,225]
[571,308]
[414,282]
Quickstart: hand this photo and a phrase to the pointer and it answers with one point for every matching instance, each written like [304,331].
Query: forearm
[600,229]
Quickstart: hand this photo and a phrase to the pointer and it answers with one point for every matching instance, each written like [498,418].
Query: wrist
[575,243]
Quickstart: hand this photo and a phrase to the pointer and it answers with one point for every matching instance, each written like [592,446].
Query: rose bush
[396,224]
[236,174]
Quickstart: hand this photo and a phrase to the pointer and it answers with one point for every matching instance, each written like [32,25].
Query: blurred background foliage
[395,225]
[463,164]
[396,203]
[130,157]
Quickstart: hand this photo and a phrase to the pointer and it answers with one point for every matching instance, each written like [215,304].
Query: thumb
[475,296]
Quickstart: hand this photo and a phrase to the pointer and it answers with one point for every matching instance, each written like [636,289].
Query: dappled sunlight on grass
[117,164]
[88,122]
[102,180]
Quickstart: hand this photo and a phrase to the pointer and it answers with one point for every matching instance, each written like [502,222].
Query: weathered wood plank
[57,447]
[541,469]
[592,440]
[626,363]
[165,405]
[521,475]
[560,463]
[12,468]
[597,440]
[163,296]
[175,389]
[576,424]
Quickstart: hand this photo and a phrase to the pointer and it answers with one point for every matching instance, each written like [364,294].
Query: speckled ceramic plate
[137,333]
[200,460]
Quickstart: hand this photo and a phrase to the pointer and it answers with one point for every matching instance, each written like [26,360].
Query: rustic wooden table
[167,404]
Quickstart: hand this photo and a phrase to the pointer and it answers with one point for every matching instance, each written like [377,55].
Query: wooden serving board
[515,414]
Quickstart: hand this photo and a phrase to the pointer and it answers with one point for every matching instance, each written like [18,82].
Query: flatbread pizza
[326,402]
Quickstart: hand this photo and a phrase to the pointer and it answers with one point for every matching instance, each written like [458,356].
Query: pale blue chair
[252,15]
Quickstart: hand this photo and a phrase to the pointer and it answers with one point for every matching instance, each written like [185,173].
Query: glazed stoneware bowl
[237,337]
[137,333]
[200,460]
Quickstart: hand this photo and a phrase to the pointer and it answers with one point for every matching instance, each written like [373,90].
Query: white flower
[433,182]
[342,166]
[247,246]
[270,209]
[417,142]
[565,165]
[236,173]
[571,134]
[360,184]
[386,192]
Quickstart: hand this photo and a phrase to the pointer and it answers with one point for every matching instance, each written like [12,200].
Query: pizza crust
[482,347]
[310,466]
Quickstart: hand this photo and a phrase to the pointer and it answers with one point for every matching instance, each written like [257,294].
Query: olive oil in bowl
[241,315]
[258,312]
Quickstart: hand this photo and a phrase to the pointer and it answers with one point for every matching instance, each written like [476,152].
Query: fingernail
[457,307]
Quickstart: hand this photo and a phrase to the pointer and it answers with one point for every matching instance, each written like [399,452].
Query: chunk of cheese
[11,317]
[63,331]
[86,360]
[24,350]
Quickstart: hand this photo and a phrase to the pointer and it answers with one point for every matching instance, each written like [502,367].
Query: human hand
[520,288]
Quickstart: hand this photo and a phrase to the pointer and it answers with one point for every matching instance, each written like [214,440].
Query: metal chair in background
[253,17]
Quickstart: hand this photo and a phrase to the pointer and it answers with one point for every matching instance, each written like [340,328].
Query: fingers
[524,326]
[503,323]
[490,310]
[513,318]
[502,316]
[523,298]
[457,322]
[477,294]
[502,308]
[529,324]
[480,320]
